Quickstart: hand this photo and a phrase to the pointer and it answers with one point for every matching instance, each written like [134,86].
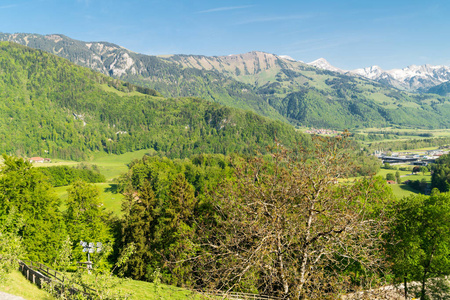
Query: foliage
[10,243]
[162,198]
[27,191]
[390,176]
[61,110]
[98,283]
[64,175]
[85,216]
[440,178]
[417,243]
[286,228]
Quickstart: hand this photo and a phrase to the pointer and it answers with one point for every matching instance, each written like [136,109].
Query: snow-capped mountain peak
[372,72]
[322,63]
[286,57]
[412,77]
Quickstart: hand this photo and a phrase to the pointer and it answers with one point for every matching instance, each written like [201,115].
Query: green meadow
[112,166]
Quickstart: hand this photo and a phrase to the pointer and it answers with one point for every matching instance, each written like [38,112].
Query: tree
[423,169]
[85,216]
[27,191]
[176,231]
[441,174]
[138,228]
[288,228]
[10,243]
[390,176]
[418,241]
[397,177]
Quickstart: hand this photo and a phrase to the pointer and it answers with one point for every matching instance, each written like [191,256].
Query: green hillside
[442,89]
[308,96]
[265,83]
[170,79]
[51,107]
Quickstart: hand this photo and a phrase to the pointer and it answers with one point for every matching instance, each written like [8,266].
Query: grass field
[19,286]
[402,190]
[108,195]
[111,166]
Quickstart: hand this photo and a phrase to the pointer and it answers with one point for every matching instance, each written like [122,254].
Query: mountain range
[411,78]
[52,107]
[278,87]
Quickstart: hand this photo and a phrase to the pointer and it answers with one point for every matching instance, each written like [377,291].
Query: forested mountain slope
[166,77]
[310,96]
[270,85]
[49,106]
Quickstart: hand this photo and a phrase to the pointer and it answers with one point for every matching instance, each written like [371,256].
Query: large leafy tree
[440,177]
[287,227]
[85,216]
[162,200]
[28,191]
[418,243]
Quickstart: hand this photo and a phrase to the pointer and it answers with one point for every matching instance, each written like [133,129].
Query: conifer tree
[176,230]
[138,228]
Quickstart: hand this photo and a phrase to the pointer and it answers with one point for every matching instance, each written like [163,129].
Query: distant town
[322,131]
[413,158]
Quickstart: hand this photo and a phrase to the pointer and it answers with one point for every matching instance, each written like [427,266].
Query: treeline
[440,177]
[384,135]
[61,110]
[42,227]
[64,175]
[409,144]
[216,222]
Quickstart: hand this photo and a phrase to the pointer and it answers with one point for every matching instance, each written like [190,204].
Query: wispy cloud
[8,6]
[274,19]
[225,8]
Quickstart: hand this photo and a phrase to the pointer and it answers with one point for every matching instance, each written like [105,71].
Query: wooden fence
[247,296]
[237,295]
[41,275]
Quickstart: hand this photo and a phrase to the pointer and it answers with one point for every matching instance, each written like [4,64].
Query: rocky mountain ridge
[271,85]
[411,78]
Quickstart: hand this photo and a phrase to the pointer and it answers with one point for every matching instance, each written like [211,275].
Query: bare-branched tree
[287,227]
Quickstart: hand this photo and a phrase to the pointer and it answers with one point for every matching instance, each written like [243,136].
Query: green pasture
[112,200]
[148,290]
[18,285]
[111,166]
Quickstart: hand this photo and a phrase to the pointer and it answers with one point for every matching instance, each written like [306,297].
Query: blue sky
[348,33]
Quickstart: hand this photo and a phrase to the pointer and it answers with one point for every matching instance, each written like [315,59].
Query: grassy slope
[19,286]
[111,166]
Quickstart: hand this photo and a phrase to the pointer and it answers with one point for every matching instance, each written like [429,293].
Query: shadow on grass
[408,188]
[113,188]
